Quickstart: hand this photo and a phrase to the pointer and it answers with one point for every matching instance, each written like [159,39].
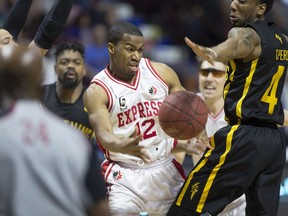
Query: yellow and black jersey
[73,114]
[253,89]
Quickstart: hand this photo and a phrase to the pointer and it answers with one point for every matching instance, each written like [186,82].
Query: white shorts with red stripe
[147,187]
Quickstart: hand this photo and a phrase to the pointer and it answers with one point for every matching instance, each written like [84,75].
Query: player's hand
[203,139]
[131,146]
[192,146]
[205,53]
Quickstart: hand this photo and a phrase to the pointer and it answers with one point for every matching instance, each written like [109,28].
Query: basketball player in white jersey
[47,168]
[211,83]
[123,101]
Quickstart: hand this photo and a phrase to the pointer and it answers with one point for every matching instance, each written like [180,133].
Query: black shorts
[246,159]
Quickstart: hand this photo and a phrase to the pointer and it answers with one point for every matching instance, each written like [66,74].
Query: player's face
[6,38]
[70,69]
[125,56]
[243,11]
[211,84]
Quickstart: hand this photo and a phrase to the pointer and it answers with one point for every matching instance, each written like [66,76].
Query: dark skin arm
[242,43]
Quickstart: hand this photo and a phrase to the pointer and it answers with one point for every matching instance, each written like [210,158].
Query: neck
[68,95]
[214,107]
[121,76]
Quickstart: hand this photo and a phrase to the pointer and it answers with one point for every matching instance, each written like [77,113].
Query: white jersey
[137,105]
[43,164]
[214,123]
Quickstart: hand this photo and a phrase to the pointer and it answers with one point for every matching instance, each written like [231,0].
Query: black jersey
[253,89]
[73,114]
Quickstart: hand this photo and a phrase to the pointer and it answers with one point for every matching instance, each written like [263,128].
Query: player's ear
[110,48]
[55,69]
[261,9]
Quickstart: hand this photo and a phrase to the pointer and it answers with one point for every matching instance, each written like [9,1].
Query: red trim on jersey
[107,166]
[179,168]
[215,118]
[104,167]
[106,89]
[150,67]
[133,85]
[175,142]
[106,152]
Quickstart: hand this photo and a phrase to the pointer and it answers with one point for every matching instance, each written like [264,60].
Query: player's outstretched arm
[95,101]
[16,18]
[52,25]
[241,43]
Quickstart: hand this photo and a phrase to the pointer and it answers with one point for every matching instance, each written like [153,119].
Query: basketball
[183,115]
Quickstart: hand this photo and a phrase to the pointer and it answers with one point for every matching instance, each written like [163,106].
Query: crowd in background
[163,22]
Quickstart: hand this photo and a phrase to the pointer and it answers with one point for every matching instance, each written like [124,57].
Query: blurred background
[164,24]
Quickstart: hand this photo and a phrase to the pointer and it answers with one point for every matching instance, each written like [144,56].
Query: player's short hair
[75,46]
[269,4]
[20,72]
[116,32]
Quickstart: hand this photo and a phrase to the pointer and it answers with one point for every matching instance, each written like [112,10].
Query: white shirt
[137,105]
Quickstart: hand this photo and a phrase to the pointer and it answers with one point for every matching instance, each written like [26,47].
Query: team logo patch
[152,90]
[117,175]
[122,103]
[194,190]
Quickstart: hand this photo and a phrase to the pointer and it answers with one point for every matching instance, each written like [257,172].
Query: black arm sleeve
[53,24]
[17,16]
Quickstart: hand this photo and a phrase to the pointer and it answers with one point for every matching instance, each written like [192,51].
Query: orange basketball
[183,115]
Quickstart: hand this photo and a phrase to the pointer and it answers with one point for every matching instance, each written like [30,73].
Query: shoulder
[49,92]
[95,93]
[243,32]
[49,88]
[162,69]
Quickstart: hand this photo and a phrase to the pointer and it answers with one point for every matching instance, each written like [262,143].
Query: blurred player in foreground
[47,168]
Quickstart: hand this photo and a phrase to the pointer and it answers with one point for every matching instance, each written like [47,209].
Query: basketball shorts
[149,188]
[245,159]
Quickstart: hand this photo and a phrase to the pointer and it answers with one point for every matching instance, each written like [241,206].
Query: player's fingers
[144,154]
[136,139]
[203,52]
[135,132]
[209,146]
[193,147]
[189,42]
[200,146]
